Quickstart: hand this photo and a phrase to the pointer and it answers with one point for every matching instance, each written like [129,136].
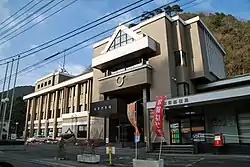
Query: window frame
[185,88]
[182,58]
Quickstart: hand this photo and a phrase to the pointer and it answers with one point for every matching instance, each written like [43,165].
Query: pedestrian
[61,149]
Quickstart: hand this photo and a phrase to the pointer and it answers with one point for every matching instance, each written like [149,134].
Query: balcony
[144,46]
[137,76]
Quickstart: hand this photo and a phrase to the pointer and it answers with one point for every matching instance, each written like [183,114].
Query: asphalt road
[40,155]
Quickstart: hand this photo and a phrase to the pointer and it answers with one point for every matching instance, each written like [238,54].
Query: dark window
[38,86]
[85,107]
[182,89]
[58,113]
[49,82]
[67,111]
[82,131]
[180,58]
[49,114]
[73,109]
[41,85]
[45,84]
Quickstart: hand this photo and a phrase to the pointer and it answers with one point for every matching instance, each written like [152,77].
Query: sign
[104,108]
[137,139]
[132,117]
[159,116]
[110,150]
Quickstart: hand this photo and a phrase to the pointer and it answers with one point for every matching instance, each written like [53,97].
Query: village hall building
[163,55]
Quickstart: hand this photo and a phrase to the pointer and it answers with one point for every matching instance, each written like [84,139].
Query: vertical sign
[159,116]
[132,117]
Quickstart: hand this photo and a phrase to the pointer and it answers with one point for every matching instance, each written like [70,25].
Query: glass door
[175,132]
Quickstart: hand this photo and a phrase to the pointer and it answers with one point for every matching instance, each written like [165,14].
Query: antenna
[63,65]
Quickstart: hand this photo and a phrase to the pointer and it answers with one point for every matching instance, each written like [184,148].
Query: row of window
[43,84]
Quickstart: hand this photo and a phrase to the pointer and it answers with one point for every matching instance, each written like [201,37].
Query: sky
[79,13]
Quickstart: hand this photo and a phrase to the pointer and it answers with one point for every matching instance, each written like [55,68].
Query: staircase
[176,149]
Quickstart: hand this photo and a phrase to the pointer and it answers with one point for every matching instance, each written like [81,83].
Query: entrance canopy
[205,98]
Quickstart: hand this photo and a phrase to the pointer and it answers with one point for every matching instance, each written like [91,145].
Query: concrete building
[160,56]
[60,103]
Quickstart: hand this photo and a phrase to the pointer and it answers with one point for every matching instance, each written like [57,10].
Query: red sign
[131,112]
[159,115]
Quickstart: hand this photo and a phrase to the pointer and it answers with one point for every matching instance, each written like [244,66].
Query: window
[67,111]
[80,108]
[120,40]
[45,84]
[36,116]
[82,131]
[49,114]
[85,107]
[180,58]
[49,82]
[38,86]
[41,85]
[182,89]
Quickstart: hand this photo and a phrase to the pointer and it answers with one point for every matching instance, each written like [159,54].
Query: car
[37,138]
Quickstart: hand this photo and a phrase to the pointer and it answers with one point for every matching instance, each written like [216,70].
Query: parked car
[37,138]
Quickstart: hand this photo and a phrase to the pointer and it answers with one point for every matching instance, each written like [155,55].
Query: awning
[205,98]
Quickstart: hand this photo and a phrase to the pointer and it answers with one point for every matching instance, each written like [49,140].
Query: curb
[204,155]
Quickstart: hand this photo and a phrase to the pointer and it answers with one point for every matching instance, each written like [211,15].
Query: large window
[182,89]
[120,40]
[82,131]
[180,58]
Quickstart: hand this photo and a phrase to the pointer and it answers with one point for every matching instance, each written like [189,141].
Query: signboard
[159,116]
[104,108]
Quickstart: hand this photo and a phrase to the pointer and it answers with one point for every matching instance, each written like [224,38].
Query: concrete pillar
[32,117]
[89,99]
[65,100]
[72,98]
[40,108]
[77,98]
[46,114]
[26,120]
[55,114]
[146,120]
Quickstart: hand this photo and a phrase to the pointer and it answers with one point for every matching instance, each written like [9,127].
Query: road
[40,155]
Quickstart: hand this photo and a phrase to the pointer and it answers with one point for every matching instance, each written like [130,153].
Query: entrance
[184,127]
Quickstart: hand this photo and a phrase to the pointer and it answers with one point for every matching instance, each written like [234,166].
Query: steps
[176,149]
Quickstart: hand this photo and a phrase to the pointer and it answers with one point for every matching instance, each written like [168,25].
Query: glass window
[49,82]
[45,84]
[38,86]
[41,84]
[120,40]
[182,89]
[180,58]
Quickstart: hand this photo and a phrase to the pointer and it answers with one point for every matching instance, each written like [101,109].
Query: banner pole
[161,140]
[136,149]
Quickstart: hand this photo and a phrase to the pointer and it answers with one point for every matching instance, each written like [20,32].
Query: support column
[27,120]
[65,99]
[89,99]
[55,115]
[46,114]
[33,110]
[77,98]
[146,120]
[39,114]
[72,98]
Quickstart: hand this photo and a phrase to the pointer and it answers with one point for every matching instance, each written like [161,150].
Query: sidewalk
[64,163]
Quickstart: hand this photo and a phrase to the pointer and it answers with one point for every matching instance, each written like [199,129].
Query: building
[160,56]
[59,104]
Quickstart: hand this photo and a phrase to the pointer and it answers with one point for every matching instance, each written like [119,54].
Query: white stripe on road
[52,163]
[191,164]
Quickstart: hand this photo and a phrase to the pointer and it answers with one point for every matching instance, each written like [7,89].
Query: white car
[37,138]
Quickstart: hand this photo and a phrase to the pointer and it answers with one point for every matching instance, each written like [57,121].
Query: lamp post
[17,128]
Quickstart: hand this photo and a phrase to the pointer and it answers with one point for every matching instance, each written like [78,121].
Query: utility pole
[2,94]
[13,95]
[7,96]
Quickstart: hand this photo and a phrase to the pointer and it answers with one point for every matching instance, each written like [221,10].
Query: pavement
[40,155]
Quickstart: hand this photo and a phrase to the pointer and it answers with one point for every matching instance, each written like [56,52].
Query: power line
[101,18]
[45,18]
[16,12]
[195,4]
[22,14]
[86,40]
[4,41]
[29,16]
